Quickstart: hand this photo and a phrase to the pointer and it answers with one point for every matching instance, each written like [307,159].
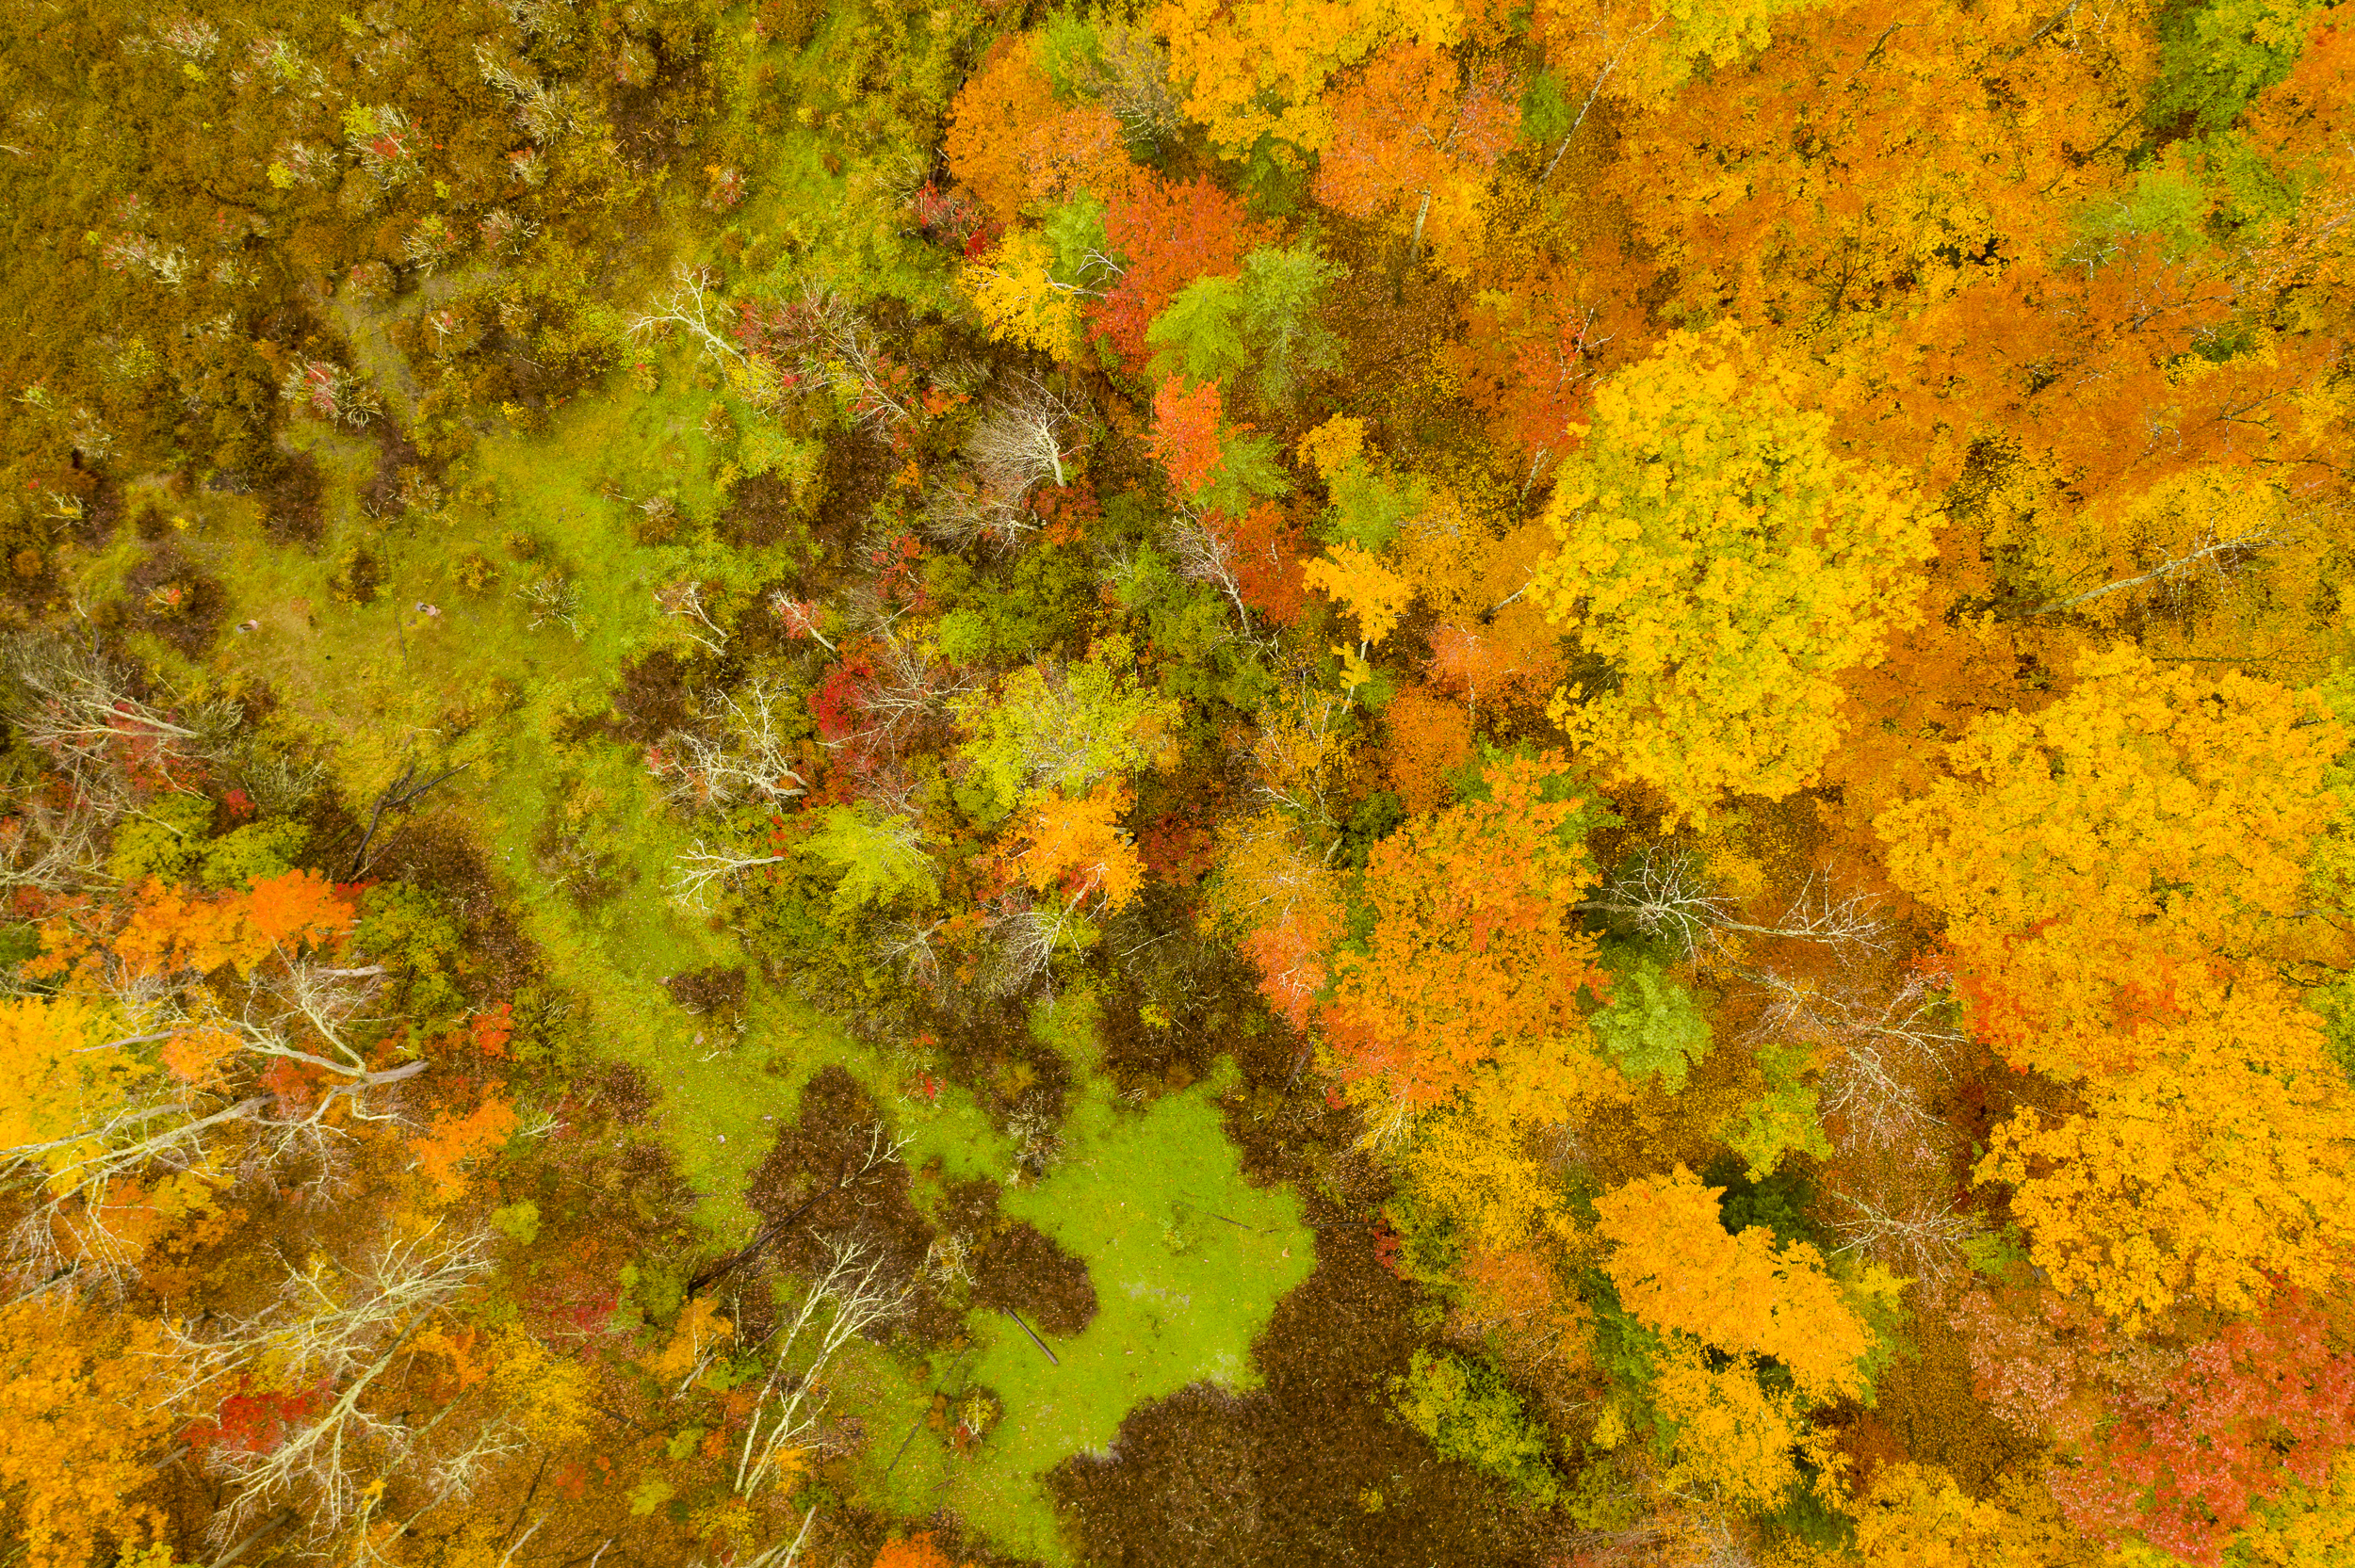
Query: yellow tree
[2095,855]
[1679,1270]
[1730,565]
[1259,67]
[79,1421]
[2214,1170]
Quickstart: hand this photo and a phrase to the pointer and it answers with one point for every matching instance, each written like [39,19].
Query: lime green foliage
[1074,231]
[520,1221]
[1191,625]
[1462,1406]
[1264,319]
[238,857]
[166,840]
[2215,57]
[415,935]
[1199,333]
[1247,469]
[1068,51]
[1281,287]
[1780,1120]
[2167,205]
[1652,1026]
[1061,729]
[1369,506]
[880,858]
[1188,1260]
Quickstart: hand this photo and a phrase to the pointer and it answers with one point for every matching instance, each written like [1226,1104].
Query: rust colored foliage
[1164,235]
[1474,951]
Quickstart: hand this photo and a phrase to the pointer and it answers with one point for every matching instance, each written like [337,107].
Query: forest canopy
[828,781]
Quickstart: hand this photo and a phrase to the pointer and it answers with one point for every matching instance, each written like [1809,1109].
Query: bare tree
[1204,554]
[2209,555]
[682,602]
[907,692]
[849,1296]
[80,709]
[1666,896]
[299,1011]
[47,846]
[746,753]
[552,598]
[343,1331]
[698,874]
[690,307]
[1022,439]
[1919,1235]
[834,347]
[1884,1055]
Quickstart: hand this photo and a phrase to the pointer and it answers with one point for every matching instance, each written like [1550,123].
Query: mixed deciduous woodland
[844,783]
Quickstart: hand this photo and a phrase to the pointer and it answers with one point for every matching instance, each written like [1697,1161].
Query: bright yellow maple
[1678,1270]
[1729,564]
[2096,855]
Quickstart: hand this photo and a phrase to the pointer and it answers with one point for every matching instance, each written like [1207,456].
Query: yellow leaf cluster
[55,1079]
[544,1393]
[1731,565]
[1258,68]
[1333,445]
[1357,578]
[79,1421]
[1733,1436]
[2214,1171]
[1915,1516]
[2094,854]
[1019,300]
[1677,1269]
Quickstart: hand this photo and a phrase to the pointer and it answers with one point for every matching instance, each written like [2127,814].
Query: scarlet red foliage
[1166,236]
[2256,1406]
[251,1422]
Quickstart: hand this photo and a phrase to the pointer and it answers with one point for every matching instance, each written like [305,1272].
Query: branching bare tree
[552,597]
[298,1009]
[746,753]
[79,709]
[690,307]
[2210,555]
[48,845]
[682,602]
[341,1331]
[1022,439]
[698,874]
[848,1296]
[1917,1234]
[1666,896]
[1883,1055]
[831,345]
[1203,555]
